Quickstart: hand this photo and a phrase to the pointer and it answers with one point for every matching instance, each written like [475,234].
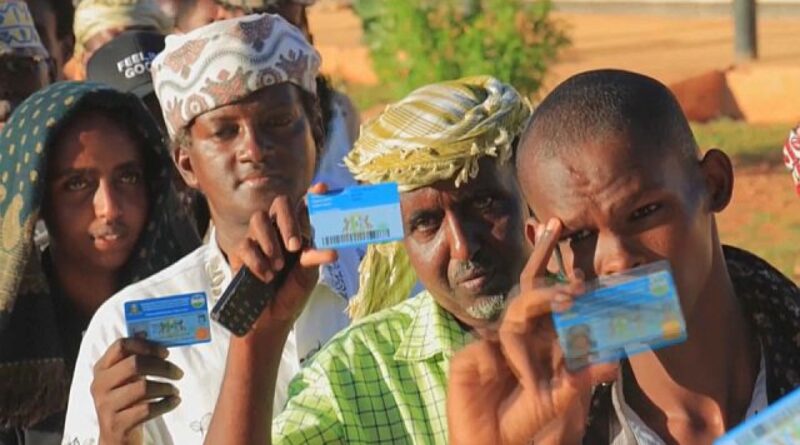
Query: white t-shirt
[204,270]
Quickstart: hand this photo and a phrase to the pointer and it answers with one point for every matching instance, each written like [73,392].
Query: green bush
[417,42]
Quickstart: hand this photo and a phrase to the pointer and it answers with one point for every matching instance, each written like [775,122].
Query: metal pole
[745,41]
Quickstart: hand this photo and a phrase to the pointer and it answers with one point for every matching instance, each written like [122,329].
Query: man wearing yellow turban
[383,380]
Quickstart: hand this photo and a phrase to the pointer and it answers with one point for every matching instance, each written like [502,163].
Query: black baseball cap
[124,62]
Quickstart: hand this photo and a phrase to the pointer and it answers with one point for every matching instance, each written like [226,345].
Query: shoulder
[384,327]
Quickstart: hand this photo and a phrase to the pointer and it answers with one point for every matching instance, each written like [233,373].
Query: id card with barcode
[358,215]
[178,320]
[779,424]
[621,315]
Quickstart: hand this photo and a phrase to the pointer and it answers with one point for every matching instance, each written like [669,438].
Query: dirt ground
[765,213]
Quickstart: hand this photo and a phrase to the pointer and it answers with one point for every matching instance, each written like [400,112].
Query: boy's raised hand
[515,389]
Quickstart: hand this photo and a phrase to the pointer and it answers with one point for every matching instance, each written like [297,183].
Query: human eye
[424,223]
[76,183]
[576,237]
[225,131]
[484,202]
[131,177]
[645,211]
[281,121]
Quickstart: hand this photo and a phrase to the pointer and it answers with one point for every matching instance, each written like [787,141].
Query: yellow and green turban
[438,132]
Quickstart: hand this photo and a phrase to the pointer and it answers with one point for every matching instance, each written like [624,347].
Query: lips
[476,280]
[262,178]
[109,237]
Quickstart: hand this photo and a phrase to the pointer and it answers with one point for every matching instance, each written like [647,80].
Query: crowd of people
[151,151]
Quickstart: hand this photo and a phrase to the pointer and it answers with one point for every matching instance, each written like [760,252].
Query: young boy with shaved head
[613,175]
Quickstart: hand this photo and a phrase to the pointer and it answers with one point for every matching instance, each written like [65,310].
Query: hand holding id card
[621,315]
[340,218]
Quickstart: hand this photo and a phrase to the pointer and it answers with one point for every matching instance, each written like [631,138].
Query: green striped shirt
[382,380]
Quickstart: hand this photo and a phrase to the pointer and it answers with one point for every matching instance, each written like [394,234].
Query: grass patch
[747,144]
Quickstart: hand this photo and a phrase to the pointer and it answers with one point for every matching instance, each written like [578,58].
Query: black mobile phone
[247,296]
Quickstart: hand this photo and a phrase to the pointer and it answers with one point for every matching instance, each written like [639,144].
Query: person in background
[614,176]
[449,146]
[791,157]
[99,21]
[24,61]
[340,117]
[124,63]
[87,161]
[242,113]
[54,19]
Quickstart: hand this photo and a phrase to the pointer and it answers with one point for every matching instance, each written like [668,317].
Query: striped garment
[791,156]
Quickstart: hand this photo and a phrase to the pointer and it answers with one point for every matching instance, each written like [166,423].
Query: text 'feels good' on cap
[124,62]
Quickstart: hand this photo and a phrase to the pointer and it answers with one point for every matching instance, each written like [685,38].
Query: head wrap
[791,156]
[439,132]
[92,17]
[226,61]
[18,34]
[259,5]
[34,368]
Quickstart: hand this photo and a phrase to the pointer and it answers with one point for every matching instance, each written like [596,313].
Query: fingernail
[552,225]
[294,244]
[178,373]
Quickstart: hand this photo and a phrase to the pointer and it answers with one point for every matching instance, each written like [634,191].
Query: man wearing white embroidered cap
[240,107]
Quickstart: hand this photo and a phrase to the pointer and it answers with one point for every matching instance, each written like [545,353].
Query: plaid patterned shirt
[383,380]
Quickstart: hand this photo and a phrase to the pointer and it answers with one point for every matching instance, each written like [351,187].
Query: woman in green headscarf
[89,162]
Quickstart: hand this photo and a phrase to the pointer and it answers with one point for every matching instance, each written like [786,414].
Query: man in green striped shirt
[449,146]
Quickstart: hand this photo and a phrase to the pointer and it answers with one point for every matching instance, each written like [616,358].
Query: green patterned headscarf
[34,378]
[438,132]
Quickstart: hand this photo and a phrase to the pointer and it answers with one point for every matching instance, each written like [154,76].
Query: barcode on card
[357,237]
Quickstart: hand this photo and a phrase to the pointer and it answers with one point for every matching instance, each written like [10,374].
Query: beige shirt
[204,270]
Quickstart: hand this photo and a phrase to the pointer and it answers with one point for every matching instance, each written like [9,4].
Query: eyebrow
[82,171]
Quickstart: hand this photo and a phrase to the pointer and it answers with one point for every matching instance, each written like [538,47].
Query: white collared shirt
[204,270]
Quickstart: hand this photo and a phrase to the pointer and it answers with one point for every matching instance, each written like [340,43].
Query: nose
[106,202]
[614,255]
[462,239]
[255,145]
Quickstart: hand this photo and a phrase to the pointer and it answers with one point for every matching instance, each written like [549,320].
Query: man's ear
[718,175]
[531,225]
[180,155]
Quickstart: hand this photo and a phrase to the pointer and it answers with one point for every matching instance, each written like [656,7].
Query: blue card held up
[178,320]
[358,215]
[779,424]
[621,315]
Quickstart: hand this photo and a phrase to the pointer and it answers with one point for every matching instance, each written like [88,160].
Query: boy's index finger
[125,347]
[543,250]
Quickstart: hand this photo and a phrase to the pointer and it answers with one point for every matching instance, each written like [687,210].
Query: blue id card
[358,215]
[621,315]
[779,424]
[178,320]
